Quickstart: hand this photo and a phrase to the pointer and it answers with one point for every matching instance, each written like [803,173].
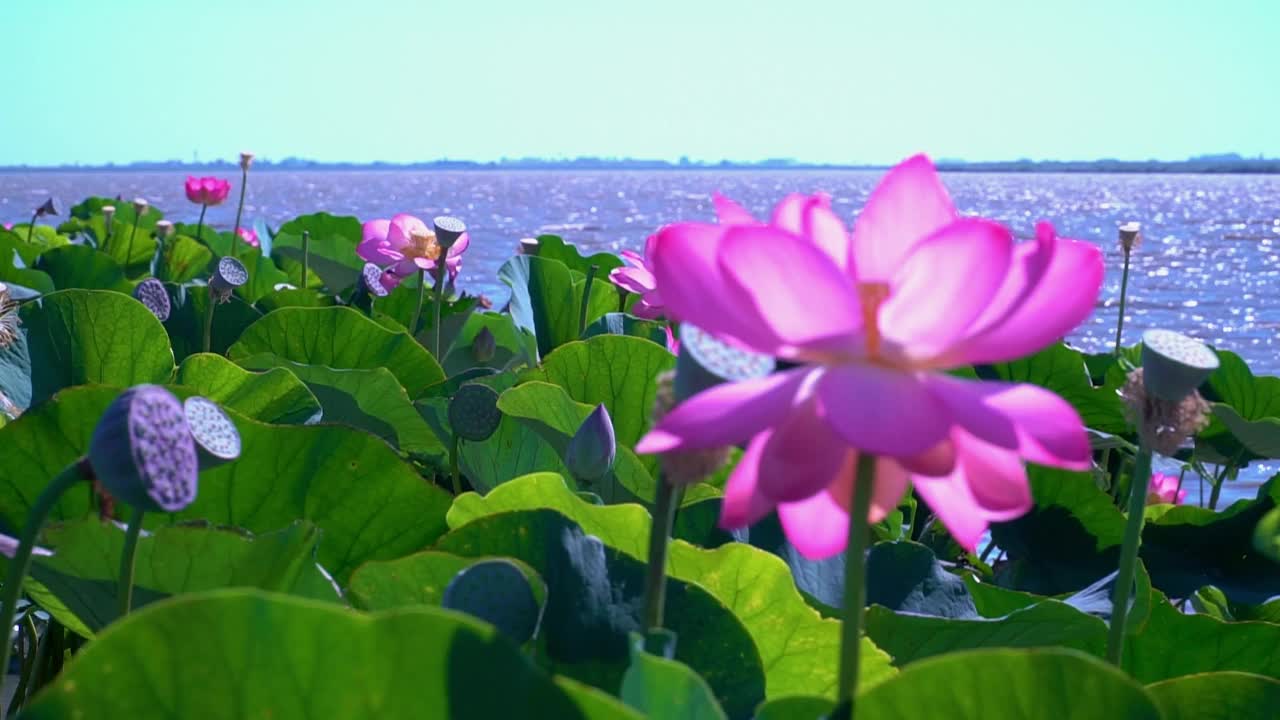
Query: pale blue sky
[834,81]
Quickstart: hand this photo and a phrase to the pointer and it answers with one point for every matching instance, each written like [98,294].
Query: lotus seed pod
[217,439]
[497,592]
[151,293]
[529,246]
[108,214]
[1174,365]
[484,346]
[371,279]
[593,448]
[140,206]
[448,230]
[474,413]
[164,229]
[229,275]
[1130,236]
[246,159]
[142,451]
[704,362]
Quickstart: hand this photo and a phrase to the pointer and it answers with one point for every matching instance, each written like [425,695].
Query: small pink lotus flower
[8,226]
[404,245]
[207,190]
[1164,489]
[249,235]
[873,319]
[638,278]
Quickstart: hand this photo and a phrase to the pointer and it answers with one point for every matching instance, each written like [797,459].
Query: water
[1208,266]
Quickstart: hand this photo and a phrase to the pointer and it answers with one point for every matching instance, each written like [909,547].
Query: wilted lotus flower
[217,439]
[108,214]
[246,159]
[483,346]
[164,229]
[207,191]
[229,275]
[593,448]
[151,293]
[1164,489]
[46,209]
[249,235]
[142,451]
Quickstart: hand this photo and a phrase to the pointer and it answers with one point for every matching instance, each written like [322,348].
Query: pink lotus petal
[9,546]
[634,259]
[798,292]
[943,283]
[882,411]
[1042,306]
[729,212]
[803,456]
[1164,489]
[988,485]
[645,311]
[726,414]
[633,279]
[1036,423]
[818,526]
[459,246]
[685,264]
[811,217]
[375,231]
[743,505]
[402,228]
[907,206]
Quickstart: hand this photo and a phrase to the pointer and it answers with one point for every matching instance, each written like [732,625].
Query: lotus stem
[855,585]
[208,321]
[235,233]
[453,465]
[21,561]
[417,309]
[35,656]
[655,584]
[1129,554]
[31,229]
[128,557]
[1124,290]
[586,299]
[306,258]
[128,253]
[441,270]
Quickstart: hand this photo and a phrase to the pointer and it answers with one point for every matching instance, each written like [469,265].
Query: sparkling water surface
[1208,265]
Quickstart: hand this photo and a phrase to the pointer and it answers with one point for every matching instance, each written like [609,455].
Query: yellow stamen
[423,246]
[872,295]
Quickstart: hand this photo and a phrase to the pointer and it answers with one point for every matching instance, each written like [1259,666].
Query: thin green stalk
[1138,485]
[32,659]
[1218,482]
[441,269]
[855,585]
[453,465]
[655,583]
[124,596]
[31,229]
[235,234]
[417,309]
[586,299]
[306,257]
[208,321]
[55,637]
[1181,476]
[1124,289]
[128,253]
[21,561]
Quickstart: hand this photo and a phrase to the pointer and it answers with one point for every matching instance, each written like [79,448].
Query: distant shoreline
[1208,165]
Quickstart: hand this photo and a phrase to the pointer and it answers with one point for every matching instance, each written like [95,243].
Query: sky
[840,81]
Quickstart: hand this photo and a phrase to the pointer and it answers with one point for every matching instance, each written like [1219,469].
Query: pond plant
[796,466]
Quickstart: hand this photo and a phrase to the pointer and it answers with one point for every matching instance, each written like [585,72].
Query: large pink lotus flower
[874,319]
[638,278]
[1164,489]
[207,190]
[404,245]
[249,235]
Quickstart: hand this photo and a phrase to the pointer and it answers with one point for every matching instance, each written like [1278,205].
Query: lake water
[1209,264]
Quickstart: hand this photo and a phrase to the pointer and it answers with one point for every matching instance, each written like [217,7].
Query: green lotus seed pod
[1174,365]
[217,439]
[229,274]
[142,450]
[474,413]
[497,592]
[151,293]
[704,362]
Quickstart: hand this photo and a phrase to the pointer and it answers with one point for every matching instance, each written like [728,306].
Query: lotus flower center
[872,295]
[422,246]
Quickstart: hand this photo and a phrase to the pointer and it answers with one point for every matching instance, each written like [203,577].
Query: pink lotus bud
[249,235]
[593,448]
[207,190]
